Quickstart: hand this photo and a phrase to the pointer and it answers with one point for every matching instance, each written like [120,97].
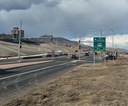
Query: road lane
[21,78]
[33,71]
[28,76]
[13,71]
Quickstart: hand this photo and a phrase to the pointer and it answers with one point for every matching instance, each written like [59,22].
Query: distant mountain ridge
[51,39]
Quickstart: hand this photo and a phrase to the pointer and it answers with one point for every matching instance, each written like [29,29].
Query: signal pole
[79,47]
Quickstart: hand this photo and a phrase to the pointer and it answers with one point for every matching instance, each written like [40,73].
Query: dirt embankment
[88,85]
[11,49]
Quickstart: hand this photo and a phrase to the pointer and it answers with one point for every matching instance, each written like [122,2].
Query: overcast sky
[67,18]
[117,41]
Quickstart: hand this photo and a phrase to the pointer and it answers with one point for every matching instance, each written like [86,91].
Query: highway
[16,80]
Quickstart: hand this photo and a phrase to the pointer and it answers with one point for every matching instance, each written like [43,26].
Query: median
[16,65]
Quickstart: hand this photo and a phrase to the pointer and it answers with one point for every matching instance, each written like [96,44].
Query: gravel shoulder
[87,85]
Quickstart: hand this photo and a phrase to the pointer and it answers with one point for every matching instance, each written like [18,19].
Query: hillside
[51,39]
[43,44]
[11,49]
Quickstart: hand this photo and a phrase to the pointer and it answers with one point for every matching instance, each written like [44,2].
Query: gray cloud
[17,4]
[64,17]
[52,3]
[25,4]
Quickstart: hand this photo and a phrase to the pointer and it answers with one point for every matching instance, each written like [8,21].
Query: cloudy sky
[67,18]
[116,41]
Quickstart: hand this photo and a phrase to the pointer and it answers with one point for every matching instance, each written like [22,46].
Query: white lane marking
[32,71]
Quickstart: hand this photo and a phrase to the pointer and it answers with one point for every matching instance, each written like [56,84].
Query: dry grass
[11,49]
[88,85]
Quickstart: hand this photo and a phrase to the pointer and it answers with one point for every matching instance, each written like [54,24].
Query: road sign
[99,43]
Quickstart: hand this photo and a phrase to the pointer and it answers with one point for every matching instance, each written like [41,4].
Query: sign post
[99,44]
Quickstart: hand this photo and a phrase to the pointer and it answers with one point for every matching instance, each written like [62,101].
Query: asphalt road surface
[16,80]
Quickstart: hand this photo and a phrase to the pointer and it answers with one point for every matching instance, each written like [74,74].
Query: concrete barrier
[25,57]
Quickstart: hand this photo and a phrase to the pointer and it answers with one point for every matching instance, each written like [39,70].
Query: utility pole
[19,46]
[112,40]
[113,43]
[99,29]
[79,47]
[101,32]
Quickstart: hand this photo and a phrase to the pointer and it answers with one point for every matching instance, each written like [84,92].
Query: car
[49,55]
[74,56]
[86,54]
[56,55]
[110,57]
[65,54]
[76,50]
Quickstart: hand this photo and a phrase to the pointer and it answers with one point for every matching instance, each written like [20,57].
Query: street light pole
[19,45]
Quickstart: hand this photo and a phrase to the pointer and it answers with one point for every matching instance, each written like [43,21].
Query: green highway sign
[99,43]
